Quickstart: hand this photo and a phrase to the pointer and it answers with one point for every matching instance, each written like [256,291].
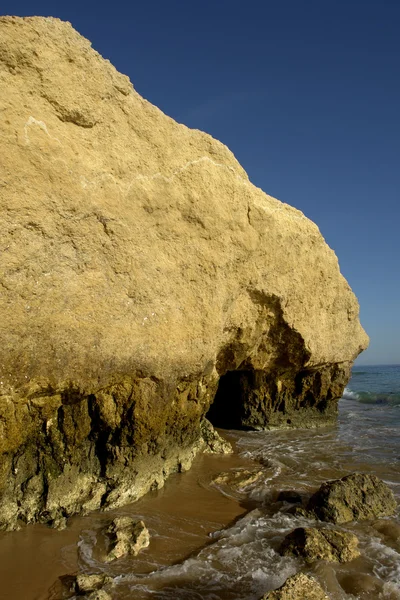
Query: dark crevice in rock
[255,399]
[268,384]
[227,409]
[99,434]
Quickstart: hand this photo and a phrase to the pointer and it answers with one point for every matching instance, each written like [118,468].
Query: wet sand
[186,511]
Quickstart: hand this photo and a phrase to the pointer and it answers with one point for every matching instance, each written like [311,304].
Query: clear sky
[305,93]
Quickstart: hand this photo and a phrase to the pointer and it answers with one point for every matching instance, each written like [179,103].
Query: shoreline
[191,498]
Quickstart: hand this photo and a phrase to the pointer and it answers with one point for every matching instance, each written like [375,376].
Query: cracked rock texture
[140,271]
[127,536]
[355,497]
[298,587]
[314,544]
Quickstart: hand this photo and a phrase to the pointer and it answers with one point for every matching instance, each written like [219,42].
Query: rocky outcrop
[214,443]
[313,544]
[258,399]
[127,537]
[142,278]
[84,585]
[298,587]
[355,497]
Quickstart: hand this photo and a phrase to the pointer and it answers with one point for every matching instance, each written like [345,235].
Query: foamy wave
[349,395]
[242,559]
[386,566]
[391,591]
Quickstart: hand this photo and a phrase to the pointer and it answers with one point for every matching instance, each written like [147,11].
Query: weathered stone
[258,399]
[298,587]
[240,479]
[214,442]
[83,585]
[99,595]
[320,544]
[89,583]
[127,537]
[140,272]
[355,497]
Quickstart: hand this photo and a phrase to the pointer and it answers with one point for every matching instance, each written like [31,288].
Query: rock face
[142,277]
[86,586]
[320,544]
[298,587]
[214,443]
[353,498]
[127,536]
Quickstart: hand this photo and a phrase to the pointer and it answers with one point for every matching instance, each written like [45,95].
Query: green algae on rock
[141,275]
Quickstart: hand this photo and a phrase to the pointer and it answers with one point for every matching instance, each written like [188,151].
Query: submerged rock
[241,480]
[389,530]
[298,587]
[362,585]
[320,544]
[143,277]
[127,537]
[355,497]
[290,496]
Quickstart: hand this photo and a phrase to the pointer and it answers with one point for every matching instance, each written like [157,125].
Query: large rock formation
[140,272]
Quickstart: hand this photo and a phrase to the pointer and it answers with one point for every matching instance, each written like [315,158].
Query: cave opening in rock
[227,409]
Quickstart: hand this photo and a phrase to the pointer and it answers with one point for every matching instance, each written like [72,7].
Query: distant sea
[370,413]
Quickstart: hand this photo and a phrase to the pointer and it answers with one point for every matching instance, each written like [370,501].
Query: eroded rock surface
[85,585]
[298,587]
[355,497]
[140,272]
[313,544]
[214,443]
[127,537]
[98,595]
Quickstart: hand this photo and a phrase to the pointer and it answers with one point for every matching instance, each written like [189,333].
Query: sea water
[215,541]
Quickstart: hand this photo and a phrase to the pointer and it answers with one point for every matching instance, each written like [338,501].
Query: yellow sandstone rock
[140,270]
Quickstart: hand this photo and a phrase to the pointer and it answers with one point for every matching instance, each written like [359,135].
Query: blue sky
[307,96]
